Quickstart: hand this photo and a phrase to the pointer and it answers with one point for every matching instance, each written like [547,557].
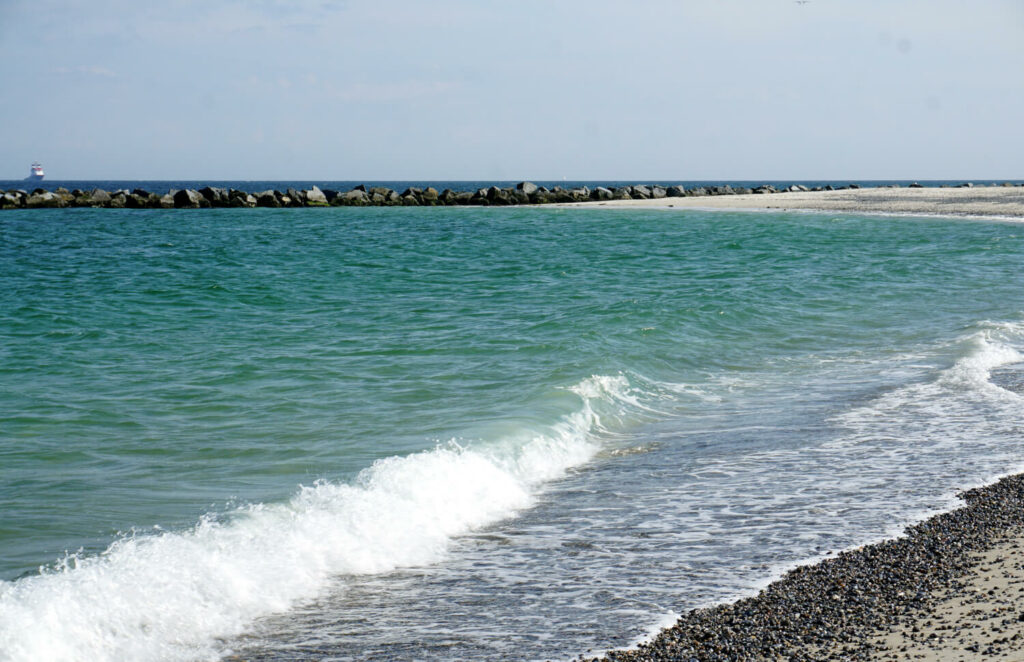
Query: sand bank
[951,589]
[977,201]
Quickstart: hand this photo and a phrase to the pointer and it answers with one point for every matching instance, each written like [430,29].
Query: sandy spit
[990,201]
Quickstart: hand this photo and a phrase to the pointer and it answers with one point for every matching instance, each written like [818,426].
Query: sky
[488,90]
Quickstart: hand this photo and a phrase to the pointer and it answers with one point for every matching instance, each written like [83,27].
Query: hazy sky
[449,89]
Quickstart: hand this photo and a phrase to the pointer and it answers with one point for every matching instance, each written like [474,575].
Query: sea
[462,433]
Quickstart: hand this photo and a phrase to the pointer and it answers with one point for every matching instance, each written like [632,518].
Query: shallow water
[472,433]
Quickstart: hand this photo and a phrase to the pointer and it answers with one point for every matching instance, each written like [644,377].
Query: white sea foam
[173,596]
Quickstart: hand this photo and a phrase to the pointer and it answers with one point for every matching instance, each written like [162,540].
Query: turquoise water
[471,433]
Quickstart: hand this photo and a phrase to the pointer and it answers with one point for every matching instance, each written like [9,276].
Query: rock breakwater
[524,193]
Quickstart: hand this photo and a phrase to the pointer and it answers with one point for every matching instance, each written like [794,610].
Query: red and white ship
[36,174]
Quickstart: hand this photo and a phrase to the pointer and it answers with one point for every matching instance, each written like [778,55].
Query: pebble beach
[950,589]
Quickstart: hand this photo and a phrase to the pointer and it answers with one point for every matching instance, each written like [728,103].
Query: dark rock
[622,193]
[268,198]
[698,192]
[119,200]
[640,192]
[186,199]
[410,200]
[136,201]
[447,197]
[99,197]
[528,188]
[675,191]
[464,198]
[915,185]
[430,196]
[601,193]
[10,201]
[657,192]
[217,197]
[581,194]
[241,199]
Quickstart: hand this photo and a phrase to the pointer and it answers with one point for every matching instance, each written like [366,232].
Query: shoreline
[951,587]
[1005,200]
[974,202]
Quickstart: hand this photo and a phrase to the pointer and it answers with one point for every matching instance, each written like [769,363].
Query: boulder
[267,198]
[430,196]
[99,197]
[136,201]
[658,192]
[541,196]
[675,191]
[698,192]
[217,197]
[357,197]
[519,197]
[384,194]
[46,199]
[581,194]
[118,200]
[622,194]
[915,185]
[410,200]
[167,201]
[529,188]
[601,193]
[854,186]
[10,201]
[499,196]
[464,198]
[447,197]
[316,198]
[640,192]
[187,199]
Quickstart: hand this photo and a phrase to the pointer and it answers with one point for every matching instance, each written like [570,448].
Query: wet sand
[952,588]
[1006,201]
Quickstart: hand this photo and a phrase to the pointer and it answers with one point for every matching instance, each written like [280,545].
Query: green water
[157,367]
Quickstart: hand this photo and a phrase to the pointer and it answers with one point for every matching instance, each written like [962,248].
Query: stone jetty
[524,193]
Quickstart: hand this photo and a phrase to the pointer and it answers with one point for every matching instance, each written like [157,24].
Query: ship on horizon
[36,173]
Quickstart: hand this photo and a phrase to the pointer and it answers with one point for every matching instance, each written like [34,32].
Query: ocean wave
[175,595]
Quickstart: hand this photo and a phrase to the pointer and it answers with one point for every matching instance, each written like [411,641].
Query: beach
[982,201]
[950,589]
